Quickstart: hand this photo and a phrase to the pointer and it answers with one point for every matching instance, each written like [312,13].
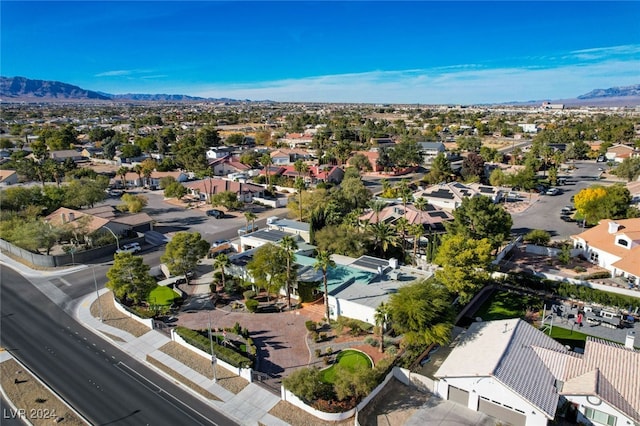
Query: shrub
[249,294]
[392,350]
[371,341]
[201,342]
[597,275]
[538,237]
[252,305]
[329,350]
[314,336]
[311,326]
[323,337]
[326,359]
[318,352]
[579,268]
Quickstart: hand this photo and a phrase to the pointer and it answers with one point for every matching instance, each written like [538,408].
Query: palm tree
[421,203]
[416,230]
[250,217]
[405,193]
[323,263]
[138,169]
[300,167]
[221,261]
[122,172]
[265,160]
[290,246]
[384,237]
[402,226]
[377,206]
[380,318]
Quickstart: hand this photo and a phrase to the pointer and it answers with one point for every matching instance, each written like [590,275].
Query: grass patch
[162,296]
[348,358]
[506,304]
[567,337]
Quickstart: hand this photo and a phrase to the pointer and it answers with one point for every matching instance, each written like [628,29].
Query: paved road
[102,383]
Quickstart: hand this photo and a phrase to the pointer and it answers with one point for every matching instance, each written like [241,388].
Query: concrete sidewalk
[249,407]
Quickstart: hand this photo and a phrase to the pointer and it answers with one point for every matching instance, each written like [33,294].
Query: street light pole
[114,236]
[95,283]
[213,355]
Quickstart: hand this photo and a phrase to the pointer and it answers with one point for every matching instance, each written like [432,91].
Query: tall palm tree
[402,226]
[250,217]
[290,246]
[405,193]
[300,167]
[265,160]
[416,230]
[421,203]
[384,236]
[221,261]
[122,172]
[380,318]
[323,263]
[138,169]
[377,206]
[299,185]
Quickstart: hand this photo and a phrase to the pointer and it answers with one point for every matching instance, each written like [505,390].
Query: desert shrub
[538,237]
[579,268]
[318,352]
[202,342]
[249,294]
[252,305]
[310,325]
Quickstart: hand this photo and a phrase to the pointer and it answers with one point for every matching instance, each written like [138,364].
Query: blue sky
[381,52]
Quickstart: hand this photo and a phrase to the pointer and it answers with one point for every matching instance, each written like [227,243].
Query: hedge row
[201,342]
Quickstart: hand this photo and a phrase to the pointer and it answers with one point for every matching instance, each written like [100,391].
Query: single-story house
[62,155]
[8,177]
[522,377]
[295,140]
[447,196]
[431,218]
[613,245]
[133,179]
[285,156]
[205,188]
[101,217]
[619,152]
[227,165]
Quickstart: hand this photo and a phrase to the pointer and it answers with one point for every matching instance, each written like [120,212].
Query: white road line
[65,282]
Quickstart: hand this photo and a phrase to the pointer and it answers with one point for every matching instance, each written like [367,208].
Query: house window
[600,417]
[594,257]
[623,243]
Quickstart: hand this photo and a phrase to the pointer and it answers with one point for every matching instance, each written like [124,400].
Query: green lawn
[567,337]
[505,305]
[348,358]
[162,296]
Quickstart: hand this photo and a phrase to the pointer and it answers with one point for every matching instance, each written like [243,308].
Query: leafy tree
[472,167]
[147,167]
[306,383]
[440,170]
[464,261]
[599,202]
[469,143]
[353,194]
[629,169]
[190,153]
[422,313]
[266,162]
[289,246]
[122,172]
[234,139]
[497,178]
[323,263]
[341,239]
[406,153]
[538,237]
[129,278]
[146,144]
[175,190]
[130,151]
[86,192]
[360,162]
[479,218]
[353,382]
[133,203]
[228,199]
[183,252]
[268,268]
[208,137]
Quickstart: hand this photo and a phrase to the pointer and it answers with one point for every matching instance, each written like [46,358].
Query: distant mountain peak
[612,92]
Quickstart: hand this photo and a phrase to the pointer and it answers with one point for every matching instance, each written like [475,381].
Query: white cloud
[115,73]
[460,85]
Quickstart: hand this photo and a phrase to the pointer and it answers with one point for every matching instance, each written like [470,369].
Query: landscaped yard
[505,305]
[348,358]
[162,296]
[568,337]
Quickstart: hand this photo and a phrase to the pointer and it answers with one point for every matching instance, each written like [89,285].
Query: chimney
[613,227]
[63,217]
[393,263]
[630,340]
[72,217]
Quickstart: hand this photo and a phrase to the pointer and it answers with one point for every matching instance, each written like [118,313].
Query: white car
[129,248]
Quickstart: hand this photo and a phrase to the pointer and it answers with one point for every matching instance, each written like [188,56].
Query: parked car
[218,214]
[553,191]
[129,248]
[567,209]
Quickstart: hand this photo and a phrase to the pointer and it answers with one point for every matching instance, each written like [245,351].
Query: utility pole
[213,355]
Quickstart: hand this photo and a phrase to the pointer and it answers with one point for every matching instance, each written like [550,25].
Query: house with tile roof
[8,177]
[372,156]
[521,376]
[619,152]
[613,245]
[203,189]
[284,156]
[227,165]
[101,217]
[431,218]
[133,179]
[447,196]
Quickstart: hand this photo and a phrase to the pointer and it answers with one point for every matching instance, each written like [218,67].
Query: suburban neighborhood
[340,264]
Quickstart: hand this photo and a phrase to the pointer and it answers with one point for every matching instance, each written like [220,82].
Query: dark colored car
[218,214]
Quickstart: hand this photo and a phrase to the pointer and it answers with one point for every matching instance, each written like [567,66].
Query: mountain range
[21,89]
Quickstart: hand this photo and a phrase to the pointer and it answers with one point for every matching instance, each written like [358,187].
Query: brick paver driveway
[279,337]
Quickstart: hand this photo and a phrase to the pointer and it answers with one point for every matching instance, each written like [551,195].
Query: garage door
[458,395]
[502,413]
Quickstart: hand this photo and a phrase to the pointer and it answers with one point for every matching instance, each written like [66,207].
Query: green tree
[440,170]
[129,278]
[629,169]
[479,218]
[268,268]
[380,318]
[353,382]
[250,217]
[603,202]
[306,383]
[360,162]
[183,252]
[86,192]
[341,239]
[220,262]
[323,263]
[464,261]
[422,313]
[416,230]
[228,199]
[175,190]
[384,237]
[353,193]
[469,143]
[133,203]
[208,137]
[234,139]
[289,246]
[266,162]
[147,167]
[538,237]
[122,172]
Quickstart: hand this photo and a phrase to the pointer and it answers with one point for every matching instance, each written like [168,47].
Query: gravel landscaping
[113,317]
[40,405]
[296,416]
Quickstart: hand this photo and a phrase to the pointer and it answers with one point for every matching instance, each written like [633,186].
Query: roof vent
[613,227]
[630,340]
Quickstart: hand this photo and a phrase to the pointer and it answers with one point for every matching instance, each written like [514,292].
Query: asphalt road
[104,384]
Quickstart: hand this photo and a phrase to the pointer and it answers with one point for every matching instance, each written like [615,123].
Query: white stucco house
[521,376]
[613,245]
